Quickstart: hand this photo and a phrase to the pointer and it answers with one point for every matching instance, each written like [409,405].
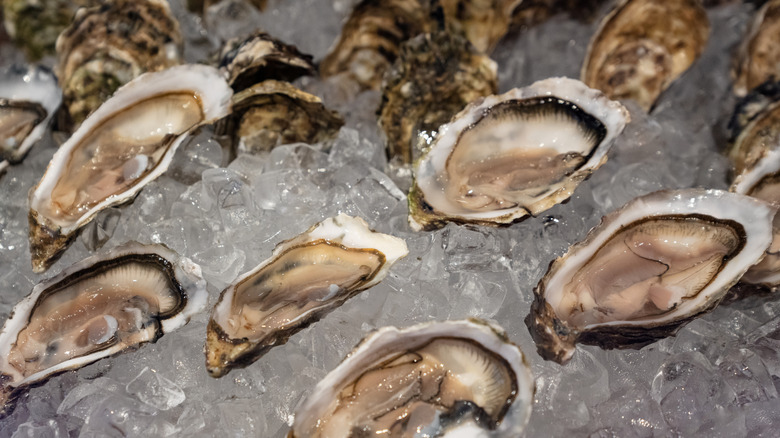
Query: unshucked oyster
[758,58]
[96,308]
[647,269]
[305,278]
[454,378]
[128,142]
[509,156]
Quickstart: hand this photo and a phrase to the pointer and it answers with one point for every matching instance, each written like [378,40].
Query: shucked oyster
[642,46]
[434,77]
[758,58]
[96,308]
[517,154]
[647,269]
[29,97]
[305,278]
[129,141]
[271,113]
[454,378]
[108,45]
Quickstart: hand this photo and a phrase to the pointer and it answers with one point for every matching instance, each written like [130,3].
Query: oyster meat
[758,58]
[453,378]
[647,269]
[271,113]
[642,46]
[108,45]
[305,278]
[517,154]
[129,141]
[435,76]
[29,97]
[96,308]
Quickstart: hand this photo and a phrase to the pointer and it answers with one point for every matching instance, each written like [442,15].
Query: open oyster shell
[129,141]
[642,46]
[517,154]
[108,45]
[453,378]
[647,269]
[435,76]
[98,307]
[305,278]
[758,58]
[29,97]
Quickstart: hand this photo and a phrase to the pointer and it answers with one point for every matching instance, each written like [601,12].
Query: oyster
[29,97]
[129,141]
[98,307]
[647,269]
[305,278]
[434,77]
[453,378]
[108,45]
[260,57]
[517,154]
[483,22]
[642,46]
[371,38]
[758,58]
[754,126]
[272,113]
[35,24]
[200,6]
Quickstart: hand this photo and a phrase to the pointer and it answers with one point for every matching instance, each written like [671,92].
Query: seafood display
[305,279]
[128,142]
[642,46]
[434,77]
[455,378]
[509,156]
[647,268]
[98,307]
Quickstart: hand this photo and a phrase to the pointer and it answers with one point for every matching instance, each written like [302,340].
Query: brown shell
[483,22]
[642,46]
[758,59]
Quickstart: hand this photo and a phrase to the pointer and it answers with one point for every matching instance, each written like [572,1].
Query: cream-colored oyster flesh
[758,58]
[453,378]
[96,308]
[127,142]
[642,46]
[647,269]
[305,278]
[508,156]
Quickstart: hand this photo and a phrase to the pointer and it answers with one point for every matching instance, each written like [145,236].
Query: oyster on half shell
[96,308]
[453,378]
[647,269]
[508,156]
[306,278]
[129,141]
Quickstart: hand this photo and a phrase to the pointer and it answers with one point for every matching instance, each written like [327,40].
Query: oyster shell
[273,112]
[483,22]
[306,278]
[371,38]
[35,24]
[260,57]
[517,154]
[754,126]
[453,378]
[29,97]
[642,46]
[758,58]
[434,77]
[96,308]
[108,45]
[129,141]
[647,269]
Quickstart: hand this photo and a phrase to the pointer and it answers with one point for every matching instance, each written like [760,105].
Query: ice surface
[720,376]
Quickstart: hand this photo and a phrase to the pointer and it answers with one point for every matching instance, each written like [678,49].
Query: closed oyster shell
[754,126]
[435,76]
[642,46]
[452,378]
[758,58]
[483,22]
[647,269]
[35,24]
[96,308]
[128,142]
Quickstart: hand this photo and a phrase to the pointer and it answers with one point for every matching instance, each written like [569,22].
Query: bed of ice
[718,377]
